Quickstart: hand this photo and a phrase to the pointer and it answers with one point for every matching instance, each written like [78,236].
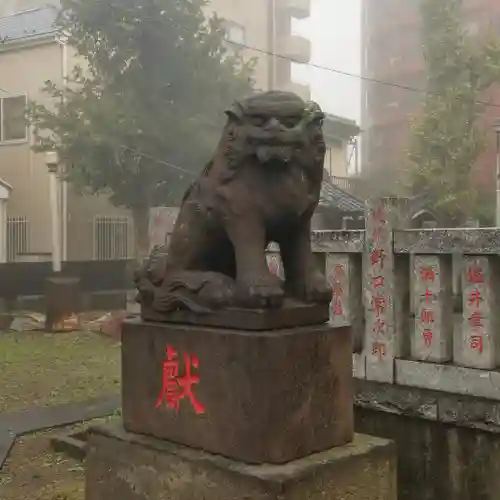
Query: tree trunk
[141,229]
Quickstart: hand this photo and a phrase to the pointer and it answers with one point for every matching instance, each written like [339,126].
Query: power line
[352,75]
[152,158]
[333,70]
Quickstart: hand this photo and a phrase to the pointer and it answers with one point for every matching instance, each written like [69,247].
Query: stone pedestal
[132,467]
[268,396]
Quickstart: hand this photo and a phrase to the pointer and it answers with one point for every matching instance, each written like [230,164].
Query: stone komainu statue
[262,185]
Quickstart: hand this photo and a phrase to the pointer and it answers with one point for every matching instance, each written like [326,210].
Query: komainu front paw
[263,292]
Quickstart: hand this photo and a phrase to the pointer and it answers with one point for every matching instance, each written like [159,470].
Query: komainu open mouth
[266,154]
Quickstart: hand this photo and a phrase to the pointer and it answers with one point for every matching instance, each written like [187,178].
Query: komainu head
[275,128]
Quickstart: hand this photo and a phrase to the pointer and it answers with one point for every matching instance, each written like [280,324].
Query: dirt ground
[41,369]
[34,472]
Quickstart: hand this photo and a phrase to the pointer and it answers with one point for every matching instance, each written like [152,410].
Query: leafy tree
[447,139]
[147,99]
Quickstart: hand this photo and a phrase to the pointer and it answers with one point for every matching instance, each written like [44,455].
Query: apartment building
[266,29]
[32,53]
[391,52]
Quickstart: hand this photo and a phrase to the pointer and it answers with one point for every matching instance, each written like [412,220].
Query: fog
[334,29]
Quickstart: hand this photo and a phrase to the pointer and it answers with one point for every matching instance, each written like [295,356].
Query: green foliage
[446,138]
[155,78]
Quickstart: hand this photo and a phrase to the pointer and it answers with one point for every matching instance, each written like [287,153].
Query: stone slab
[7,439]
[344,241]
[47,417]
[35,419]
[424,404]
[75,448]
[479,241]
[267,396]
[449,378]
[290,315]
[133,467]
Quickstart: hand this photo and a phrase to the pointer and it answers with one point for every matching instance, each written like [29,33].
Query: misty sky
[334,29]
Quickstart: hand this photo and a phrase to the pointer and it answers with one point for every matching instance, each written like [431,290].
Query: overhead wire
[308,64]
[313,65]
[332,70]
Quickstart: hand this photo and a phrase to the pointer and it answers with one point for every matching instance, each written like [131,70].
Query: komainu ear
[235,112]
[314,111]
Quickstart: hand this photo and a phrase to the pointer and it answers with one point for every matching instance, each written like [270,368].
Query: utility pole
[52,162]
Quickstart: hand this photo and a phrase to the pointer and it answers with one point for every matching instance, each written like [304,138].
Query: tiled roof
[28,24]
[334,197]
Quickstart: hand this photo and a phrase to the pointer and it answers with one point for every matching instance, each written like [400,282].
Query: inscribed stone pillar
[343,272]
[433,308]
[383,340]
[479,339]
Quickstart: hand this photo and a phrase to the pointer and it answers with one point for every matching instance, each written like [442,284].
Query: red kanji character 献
[427,334]
[378,281]
[474,297]
[337,307]
[378,305]
[475,275]
[175,388]
[476,319]
[476,343]
[427,317]
[378,349]
[427,274]
[379,327]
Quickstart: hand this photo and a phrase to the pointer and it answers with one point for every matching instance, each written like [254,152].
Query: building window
[111,238]
[17,237]
[235,32]
[13,126]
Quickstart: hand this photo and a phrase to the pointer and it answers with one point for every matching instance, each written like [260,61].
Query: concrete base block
[133,467]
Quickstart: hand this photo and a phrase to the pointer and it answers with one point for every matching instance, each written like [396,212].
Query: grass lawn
[38,369]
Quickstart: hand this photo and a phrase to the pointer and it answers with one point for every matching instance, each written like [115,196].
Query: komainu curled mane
[261,186]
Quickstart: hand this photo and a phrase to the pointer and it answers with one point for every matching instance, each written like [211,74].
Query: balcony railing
[353,185]
[295,47]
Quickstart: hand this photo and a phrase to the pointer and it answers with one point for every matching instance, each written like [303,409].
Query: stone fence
[395,287]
